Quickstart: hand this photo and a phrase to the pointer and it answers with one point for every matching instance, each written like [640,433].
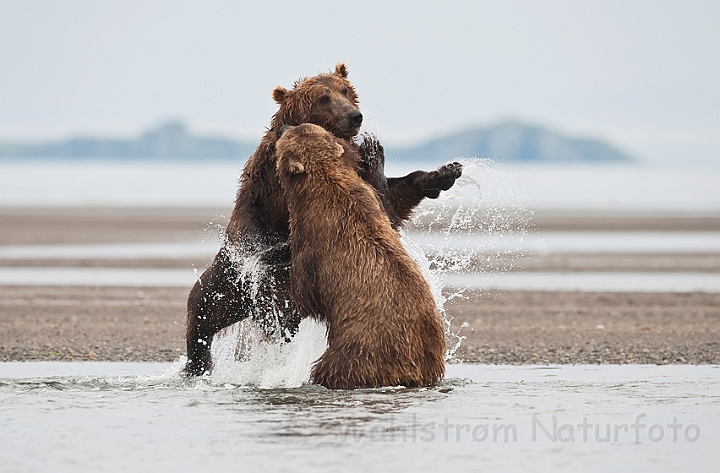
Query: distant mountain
[513,142]
[505,142]
[169,141]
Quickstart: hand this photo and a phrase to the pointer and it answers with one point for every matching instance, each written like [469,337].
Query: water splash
[482,203]
[247,356]
[453,339]
[483,206]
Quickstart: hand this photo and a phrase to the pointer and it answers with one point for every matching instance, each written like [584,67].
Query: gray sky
[644,75]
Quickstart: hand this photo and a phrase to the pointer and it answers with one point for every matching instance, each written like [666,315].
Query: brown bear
[250,274]
[349,269]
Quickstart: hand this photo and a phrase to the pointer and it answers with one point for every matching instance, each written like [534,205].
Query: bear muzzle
[355,118]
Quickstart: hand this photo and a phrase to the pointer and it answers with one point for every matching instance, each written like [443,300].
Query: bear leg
[223,296]
[214,303]
[405,193]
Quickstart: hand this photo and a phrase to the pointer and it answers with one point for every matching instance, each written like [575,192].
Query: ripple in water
[483,205]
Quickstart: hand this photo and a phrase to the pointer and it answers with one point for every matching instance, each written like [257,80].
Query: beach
[146,323]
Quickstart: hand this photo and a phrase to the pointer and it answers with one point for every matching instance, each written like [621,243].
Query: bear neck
[337,193]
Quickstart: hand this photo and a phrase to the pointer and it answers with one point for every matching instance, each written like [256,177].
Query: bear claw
[442,179]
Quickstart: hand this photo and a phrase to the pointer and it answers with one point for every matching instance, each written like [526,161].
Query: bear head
[327,100]
[307,149]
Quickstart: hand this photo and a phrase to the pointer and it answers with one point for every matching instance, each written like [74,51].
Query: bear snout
[355,118]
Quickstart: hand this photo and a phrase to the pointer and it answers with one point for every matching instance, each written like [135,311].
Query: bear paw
[372,152]
[442,179]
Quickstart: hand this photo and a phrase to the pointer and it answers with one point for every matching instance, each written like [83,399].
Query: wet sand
[45,226]
[27,226]
[92,323]
[147,324]
[522,327]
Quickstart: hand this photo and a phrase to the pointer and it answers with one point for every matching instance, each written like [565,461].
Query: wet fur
[259,223]
[350,270]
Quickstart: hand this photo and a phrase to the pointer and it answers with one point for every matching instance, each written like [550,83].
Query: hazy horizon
[641,75]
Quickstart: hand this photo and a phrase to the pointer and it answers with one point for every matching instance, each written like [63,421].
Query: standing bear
[350,270]
[250,275]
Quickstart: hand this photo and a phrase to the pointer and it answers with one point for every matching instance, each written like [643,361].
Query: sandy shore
[28,226]
[588,327]
[44,226]
[91,323]
[147,324]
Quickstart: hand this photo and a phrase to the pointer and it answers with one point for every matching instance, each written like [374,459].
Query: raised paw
[372,152]
[442,179]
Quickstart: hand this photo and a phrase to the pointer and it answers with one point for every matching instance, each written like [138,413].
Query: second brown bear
[350,270]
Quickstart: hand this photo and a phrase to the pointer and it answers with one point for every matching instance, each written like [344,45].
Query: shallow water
[577,242]
[132,417]
[588,282]
[544,242]
[132,277]
[256,414]
[213,183]
[164,250]
[533,281]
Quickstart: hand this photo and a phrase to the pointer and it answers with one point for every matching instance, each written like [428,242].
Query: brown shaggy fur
[350,269]
[259,223]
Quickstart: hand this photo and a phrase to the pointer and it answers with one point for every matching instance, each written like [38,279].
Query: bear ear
[294,166]
[280,94]
[280,131]
[341,70]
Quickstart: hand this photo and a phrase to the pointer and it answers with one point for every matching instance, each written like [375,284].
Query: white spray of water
[483,206]
[482,202]
[244,355]
[256,353]
[434,280]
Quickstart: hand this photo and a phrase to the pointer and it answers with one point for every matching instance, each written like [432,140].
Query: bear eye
[344,91]
[324,99]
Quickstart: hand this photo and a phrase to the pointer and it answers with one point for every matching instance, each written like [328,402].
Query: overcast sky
[643,75]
